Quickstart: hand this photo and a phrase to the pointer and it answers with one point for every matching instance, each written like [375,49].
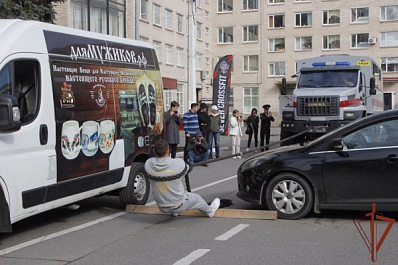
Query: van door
[27,157]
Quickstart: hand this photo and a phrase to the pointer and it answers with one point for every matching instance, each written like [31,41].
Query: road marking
[192,257]
[79,227]
[232,232]
[60,233]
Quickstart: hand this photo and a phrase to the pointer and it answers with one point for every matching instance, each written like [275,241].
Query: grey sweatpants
[191,201]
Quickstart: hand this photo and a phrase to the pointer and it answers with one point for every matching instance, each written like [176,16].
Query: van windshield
[322,79]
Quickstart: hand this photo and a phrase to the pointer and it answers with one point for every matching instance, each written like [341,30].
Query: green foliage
[41,10]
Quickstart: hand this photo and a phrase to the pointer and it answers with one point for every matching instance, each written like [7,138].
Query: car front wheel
[290,195]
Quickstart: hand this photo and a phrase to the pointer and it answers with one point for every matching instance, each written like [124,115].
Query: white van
[79,112]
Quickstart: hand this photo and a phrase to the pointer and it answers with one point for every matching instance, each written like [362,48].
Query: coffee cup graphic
[90,135]
[70,139]
[107,136]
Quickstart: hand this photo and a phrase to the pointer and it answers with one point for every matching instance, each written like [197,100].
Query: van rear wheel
[137,189]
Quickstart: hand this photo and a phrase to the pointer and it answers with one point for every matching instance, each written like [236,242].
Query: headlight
[254,162]
[352,115]
[287,115]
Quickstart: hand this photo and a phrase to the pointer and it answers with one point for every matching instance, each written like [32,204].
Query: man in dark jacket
[265,131]
[204,121]
[198,149]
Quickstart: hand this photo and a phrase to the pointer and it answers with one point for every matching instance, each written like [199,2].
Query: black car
[349,169]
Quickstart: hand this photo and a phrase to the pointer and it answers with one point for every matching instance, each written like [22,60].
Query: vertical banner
[221,88]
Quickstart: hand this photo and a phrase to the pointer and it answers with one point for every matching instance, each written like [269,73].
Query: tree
[41,10]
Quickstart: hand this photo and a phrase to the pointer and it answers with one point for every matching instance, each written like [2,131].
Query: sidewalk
[225,140]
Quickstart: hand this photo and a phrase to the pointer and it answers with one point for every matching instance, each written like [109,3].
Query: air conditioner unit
[372,40]
[203,75]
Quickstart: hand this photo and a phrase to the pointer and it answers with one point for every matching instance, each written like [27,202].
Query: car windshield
[321,79]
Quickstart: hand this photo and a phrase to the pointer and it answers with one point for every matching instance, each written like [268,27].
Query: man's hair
[161,148]
[193,105]
[174,104]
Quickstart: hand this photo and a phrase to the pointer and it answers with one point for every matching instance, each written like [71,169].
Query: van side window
[6,80]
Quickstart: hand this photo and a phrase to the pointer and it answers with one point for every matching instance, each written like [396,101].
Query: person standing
[167,189]
[191,126]
[252,126]
[235,132]
[266,119]
[204,121]
[172,135]
[215,123]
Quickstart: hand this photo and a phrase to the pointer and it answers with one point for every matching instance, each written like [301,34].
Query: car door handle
[43,134]
[392,159]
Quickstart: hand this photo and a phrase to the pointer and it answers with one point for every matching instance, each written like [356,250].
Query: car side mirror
[283,88]
[9,114]
[337,144]
[372,90]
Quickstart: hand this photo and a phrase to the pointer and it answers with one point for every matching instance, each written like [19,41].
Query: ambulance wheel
[137,189]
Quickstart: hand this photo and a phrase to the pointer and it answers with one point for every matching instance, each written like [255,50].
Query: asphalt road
[101,232]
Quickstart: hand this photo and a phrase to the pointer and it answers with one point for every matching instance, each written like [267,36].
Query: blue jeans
[198,158]
[216,136]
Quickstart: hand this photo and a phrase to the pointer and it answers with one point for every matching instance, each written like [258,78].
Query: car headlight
[254,162]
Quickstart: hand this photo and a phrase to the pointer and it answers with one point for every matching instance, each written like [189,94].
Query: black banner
[221,87]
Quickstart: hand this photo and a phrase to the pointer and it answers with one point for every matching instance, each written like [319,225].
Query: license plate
[318,129]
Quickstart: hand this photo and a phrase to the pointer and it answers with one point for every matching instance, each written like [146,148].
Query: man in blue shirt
[191,126]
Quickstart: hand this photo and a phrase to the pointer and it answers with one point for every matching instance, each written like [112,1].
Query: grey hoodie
[166,193]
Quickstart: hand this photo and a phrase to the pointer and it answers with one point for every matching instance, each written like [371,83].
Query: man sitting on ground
[168,191]
[198,149]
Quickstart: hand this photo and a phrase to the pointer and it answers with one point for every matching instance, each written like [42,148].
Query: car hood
[278,151]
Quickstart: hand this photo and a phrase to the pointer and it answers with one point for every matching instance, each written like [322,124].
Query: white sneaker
[174,214]
[234,157]
[214,206]
[247,149]
[239,157]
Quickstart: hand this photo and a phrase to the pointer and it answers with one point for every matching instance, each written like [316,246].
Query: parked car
[347,169]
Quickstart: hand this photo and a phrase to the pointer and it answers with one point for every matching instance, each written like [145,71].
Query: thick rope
[185,171]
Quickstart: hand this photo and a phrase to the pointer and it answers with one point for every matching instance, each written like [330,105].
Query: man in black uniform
[265,131]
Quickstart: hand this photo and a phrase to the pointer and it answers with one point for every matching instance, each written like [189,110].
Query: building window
[231,100]
[199,61]
[331,42]
[198,3]
[144,10]
[276,45]
[105,17]
[158,48]
[79,11]
[180,56]
[225,5]
[303,43]
[360,15]
[180,97]
[250,33]
[276,69]
[169,54]
[360,40]
[389,13]
[168,97]
[389,64]
[276,21]
[156,14]
[275,1]
[303,0]
[389,39]
[250,99]
[250,4]
[180,19]
[207,46]
[144,39]
[207,60]
[169,19]
[198,30]
[303,19]
[331,17]
[250,63]
[225,35]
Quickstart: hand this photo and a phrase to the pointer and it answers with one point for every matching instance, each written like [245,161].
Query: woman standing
[172,135]
[236,132]
[252,126]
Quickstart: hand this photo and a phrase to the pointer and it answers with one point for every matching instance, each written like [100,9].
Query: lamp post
[191,52]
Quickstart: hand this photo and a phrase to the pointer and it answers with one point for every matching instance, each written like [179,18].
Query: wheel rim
[139,187]
[288,197]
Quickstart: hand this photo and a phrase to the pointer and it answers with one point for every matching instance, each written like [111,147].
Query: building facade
[266,38]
